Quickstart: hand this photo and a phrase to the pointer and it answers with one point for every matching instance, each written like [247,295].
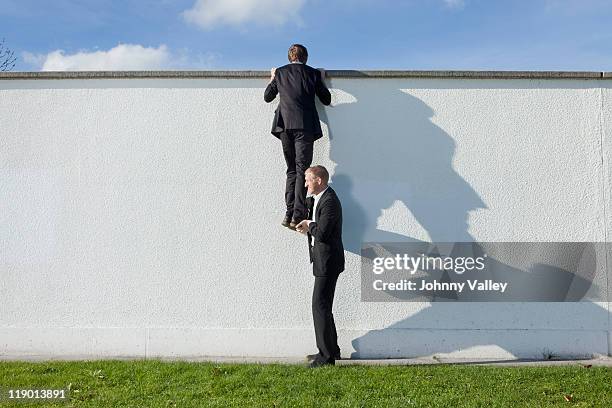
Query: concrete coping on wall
[330,73]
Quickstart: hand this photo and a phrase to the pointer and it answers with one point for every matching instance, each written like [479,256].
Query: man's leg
[334,337]
[322,299]
[303,159]
[289,153]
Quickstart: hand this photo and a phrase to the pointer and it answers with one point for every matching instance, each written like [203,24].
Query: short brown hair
[297,52]
[321,172]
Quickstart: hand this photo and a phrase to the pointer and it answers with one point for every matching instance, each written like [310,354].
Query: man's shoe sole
[294,224]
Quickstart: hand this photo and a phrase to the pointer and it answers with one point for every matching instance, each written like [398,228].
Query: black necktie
[309,206]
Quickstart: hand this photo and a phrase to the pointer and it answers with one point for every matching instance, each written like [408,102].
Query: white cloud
[123,57]
[455,4]
[208,14]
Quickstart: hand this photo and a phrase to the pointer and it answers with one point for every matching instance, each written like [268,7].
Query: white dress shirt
[317,197]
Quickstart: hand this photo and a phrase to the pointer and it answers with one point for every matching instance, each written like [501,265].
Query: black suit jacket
[297,85]
[327,255]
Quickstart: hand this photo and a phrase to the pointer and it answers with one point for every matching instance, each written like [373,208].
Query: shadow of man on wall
[388,150]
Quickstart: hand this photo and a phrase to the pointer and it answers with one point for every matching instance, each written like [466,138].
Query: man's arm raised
[271,90]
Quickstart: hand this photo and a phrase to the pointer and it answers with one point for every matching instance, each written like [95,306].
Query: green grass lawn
[153,383]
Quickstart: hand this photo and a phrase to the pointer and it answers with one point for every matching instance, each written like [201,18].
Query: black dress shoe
[294,223]
[320,363]
[311,357]
[286,221]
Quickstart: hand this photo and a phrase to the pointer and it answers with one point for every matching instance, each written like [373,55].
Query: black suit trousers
[297,149]
[325,327]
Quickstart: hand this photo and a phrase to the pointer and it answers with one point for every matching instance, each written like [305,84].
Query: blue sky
[339,34]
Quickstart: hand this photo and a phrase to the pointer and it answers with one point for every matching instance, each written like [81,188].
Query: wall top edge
[330,73]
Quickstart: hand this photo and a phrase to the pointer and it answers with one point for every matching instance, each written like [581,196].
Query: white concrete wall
[141,217]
